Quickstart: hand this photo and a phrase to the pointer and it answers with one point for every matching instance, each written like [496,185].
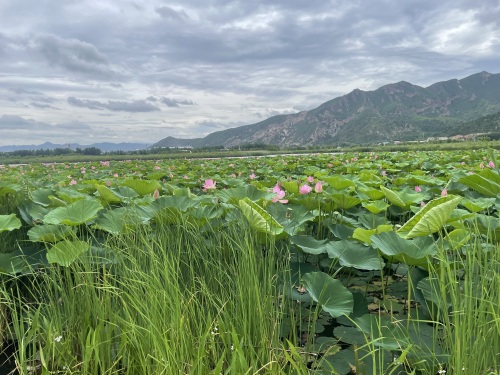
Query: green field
[352,263]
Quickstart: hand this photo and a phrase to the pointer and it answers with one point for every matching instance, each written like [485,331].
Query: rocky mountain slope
[399,111]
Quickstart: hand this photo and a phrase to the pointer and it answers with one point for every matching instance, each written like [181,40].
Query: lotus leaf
[77,213]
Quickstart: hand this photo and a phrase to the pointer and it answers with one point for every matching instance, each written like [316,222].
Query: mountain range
[395,112]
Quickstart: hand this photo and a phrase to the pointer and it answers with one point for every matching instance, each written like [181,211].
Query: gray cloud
[75,56]
[225,62]
[113,105]
[171,14]
[175,102]
[43,106]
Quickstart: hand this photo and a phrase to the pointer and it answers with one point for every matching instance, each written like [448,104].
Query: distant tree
[91,151]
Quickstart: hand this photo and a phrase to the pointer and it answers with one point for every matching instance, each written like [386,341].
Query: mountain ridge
[396,111]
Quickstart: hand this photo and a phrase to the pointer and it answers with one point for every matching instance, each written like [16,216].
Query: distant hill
[105,146]
[398,111]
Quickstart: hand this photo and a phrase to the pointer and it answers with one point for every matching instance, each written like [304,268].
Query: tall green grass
[467,306]
[173,302]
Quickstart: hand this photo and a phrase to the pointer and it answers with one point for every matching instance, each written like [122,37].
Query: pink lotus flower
[310,179]
[156,194]
[491,164]
[444,193]
[115,175]
[209,185]
[318,188]
[422,204]
[280,194]
[157,168]
[418,189]
[108,183]
[305,189]
[252,176]
[72,182]
[384,173]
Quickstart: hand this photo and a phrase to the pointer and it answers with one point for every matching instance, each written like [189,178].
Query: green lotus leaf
[487,183]
[41,196]
[142,187]
[9,222]
[355,255]
[393,197]
[125,193]
[107,195]
[457,238]
[382,332]
[290,187]
[329,293]
[339,183]
[8,188]
[76,213]
[70,195]
[364,235]
[21,261]
[370,193]
[50,233]
[309,244]
[431,218]
[412,252]
[375,207]
[294,218]
[259,219]
[477,205]
[344,201]
[66,252]
[119,221]
[31,212]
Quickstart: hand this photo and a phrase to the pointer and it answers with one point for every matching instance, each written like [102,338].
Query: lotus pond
[355,263]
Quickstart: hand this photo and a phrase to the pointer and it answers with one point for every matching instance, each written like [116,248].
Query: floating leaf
[309,244]
[107,195]
[50,233]
[66,252]
[411,252]
[76,213]
[41,196]
[364,235]
[355,255]
[345,201]
[142,187]
[329,293]
[9,223]
[375,207]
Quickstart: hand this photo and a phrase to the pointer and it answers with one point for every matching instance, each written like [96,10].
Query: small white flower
[232,347]
[58,338]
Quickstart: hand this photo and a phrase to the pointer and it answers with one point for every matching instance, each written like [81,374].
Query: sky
[89,71]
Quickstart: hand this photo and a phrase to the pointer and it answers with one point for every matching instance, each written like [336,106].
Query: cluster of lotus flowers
[280,193]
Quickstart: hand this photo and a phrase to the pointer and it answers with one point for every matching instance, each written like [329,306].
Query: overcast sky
[138,71]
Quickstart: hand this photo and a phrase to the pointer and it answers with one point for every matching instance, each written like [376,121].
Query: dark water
[7,365]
